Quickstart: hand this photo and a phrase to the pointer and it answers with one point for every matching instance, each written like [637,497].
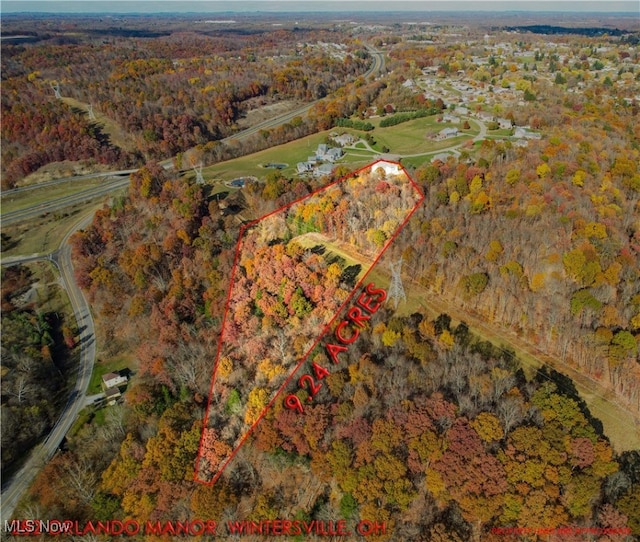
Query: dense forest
[420,424]
[168,94]
[37,362]
[472,447]
[544,238]
[282,295]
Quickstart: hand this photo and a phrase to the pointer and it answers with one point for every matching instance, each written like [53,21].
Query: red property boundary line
[327,327]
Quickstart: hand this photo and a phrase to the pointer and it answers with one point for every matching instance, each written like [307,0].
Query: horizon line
[144,7]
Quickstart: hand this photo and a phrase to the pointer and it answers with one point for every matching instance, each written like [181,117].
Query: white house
[388,167]
[112,380]
[333,154]
[344,140]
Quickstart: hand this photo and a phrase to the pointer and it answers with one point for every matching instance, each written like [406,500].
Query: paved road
[117,181]
[18,484]
[28,213]
[376,68]
[75,178]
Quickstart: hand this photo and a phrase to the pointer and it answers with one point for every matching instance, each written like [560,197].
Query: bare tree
[82,477]
[21,388]
[510,412]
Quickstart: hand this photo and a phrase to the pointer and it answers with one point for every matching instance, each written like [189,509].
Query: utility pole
[396,289]
[92,115]
[56,90]
[198,171]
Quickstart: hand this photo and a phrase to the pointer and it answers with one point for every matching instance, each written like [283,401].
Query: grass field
[22,200]
[49,295]
[44,234]
[406,138]
[290,153]
[102,368]
[415,136]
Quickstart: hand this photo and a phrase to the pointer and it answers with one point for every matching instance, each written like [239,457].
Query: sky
[155,6]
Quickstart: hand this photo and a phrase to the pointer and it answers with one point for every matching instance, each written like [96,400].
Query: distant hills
[549,29]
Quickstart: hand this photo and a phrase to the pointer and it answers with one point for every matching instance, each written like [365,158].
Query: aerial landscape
[320,271]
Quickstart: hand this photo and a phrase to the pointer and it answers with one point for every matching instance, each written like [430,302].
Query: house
[486,117]
[446,133]
[324,153]
[524,133]
[447,117]
[504,123]
[321,151]
[112,395]
[388,167]
[304,167]
[113,380]
[344,140]
[334,154]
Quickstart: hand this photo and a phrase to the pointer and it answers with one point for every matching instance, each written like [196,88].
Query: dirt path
[621,424]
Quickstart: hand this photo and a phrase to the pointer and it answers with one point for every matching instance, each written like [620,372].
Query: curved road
[108,186]
[34,211]
[20,481]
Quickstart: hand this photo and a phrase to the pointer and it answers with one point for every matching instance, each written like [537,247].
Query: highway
[75,178]
[376,68]
[19,482]
[120,179]
[14,488]
[28,213]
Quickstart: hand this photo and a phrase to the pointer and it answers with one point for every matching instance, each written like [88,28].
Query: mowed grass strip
[45,194]
[44,234]
[288,153]
[117,135]
[416,136]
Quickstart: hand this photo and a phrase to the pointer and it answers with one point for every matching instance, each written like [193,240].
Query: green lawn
[102,368]
[44,234]
[289,153]
[502,132]
[415,136]
[29,198]
[410,137]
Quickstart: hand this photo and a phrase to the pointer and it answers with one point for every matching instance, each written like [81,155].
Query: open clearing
[416,136]
[408,138]
[117,135]
[37,196]
[44,234]
[620,425]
